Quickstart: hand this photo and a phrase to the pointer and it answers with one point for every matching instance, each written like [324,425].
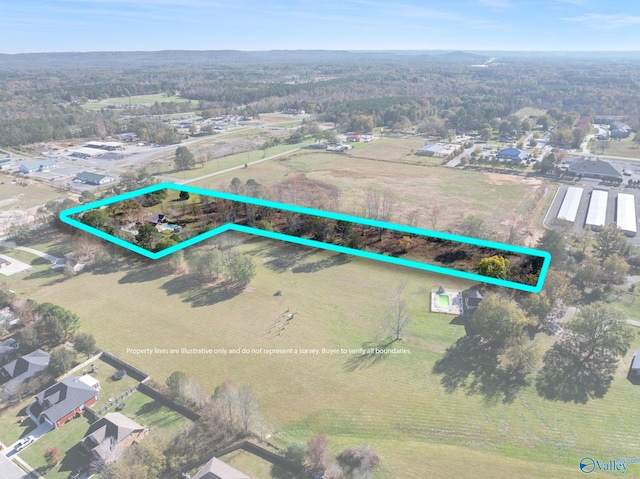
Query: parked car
[24,442]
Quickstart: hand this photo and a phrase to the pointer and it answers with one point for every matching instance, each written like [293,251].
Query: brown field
[498,198]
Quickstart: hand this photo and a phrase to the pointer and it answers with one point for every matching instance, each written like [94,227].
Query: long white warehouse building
[626,214]
[570,204]
[597,214]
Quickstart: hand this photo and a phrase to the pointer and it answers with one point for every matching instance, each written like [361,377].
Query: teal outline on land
[65,217]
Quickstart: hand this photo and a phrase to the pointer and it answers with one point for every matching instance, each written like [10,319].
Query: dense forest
[41,95]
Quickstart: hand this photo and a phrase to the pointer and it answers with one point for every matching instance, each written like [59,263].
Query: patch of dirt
[503,179]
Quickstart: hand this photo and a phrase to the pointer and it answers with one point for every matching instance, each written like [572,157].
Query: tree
[174,383]
[587,273]
[56,323]
[554,243]
[358,462]
[184,195]
[240,269]
[52,456]
[536,306]
[497,321]
[62,360]
[397,316]
[558,288]
[317,457]
[615,269]
[474,227]
[146,237]
[97,218]
[205,264]
[184,159]
[583,364]
[151,199]
[494,267]
[610,240]
[247,408]
[85,343]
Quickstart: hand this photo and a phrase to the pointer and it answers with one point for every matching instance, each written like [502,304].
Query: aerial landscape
[353,240]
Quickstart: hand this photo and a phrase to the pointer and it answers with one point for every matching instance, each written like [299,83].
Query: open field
[530,111]
[394,402]
[224,162]
[14,196]
[135,100]
[251,465]
[495,197]
[624,147]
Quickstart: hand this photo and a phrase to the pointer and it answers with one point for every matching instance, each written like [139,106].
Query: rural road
[239,167]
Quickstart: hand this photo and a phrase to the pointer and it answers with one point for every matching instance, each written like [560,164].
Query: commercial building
[596,216]
[626,214]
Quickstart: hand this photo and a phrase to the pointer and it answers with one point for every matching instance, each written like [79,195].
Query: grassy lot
[13,195]
[134,100]
[622,147]
[530,111]
[251,465]
[492,196]
[395,403]
[225,162]
[393,149]
[164,424]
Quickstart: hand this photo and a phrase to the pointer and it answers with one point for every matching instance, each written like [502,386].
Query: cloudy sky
[128,25]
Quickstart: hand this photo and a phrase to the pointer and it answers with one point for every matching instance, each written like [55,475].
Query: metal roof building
[570,204]
[626,214]
[596,216]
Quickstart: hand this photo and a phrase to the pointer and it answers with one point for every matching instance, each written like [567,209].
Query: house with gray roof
[94,178]
[38,165]
[635,365]
[23,369]
[595,169]
[216,469]
[64,400]
[110,436]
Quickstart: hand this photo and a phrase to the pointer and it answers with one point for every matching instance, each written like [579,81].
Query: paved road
[456,161]
[48,257]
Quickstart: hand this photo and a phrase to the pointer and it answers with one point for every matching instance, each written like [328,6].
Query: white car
[24,442]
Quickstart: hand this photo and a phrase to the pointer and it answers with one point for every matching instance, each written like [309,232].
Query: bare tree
[435,213]
[247,408]
[388,203]
[397,316]
[372,203]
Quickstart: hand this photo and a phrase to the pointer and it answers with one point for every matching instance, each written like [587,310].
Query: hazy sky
[108,25]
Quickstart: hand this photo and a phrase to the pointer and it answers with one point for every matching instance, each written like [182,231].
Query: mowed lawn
[394,402]
[495,197]
[13,196]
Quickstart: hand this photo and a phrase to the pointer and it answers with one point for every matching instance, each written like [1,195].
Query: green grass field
[134,100]
[395,403]
[14,196]
[623,147]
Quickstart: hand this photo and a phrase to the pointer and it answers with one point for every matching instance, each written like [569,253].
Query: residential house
[22,369]
[109,437]
[216,469]
[65,400]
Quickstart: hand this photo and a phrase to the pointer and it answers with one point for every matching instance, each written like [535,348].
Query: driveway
[37,433]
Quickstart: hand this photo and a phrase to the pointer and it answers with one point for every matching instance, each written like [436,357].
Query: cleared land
[395,402]
[495,197]
[134,100]
[14,196]
[624,147]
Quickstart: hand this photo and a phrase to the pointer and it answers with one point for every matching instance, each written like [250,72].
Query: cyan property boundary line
[66,217]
